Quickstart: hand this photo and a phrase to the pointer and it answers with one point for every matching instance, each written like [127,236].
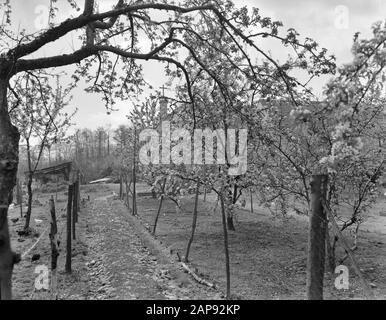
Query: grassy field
[268,254]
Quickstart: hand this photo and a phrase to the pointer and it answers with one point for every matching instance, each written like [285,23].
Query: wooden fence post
[74,210]
[316,239]
[78,197]
[134,178]
[69,214]
[54,244]
[53,235]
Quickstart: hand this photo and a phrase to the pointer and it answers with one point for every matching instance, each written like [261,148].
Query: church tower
[163,108]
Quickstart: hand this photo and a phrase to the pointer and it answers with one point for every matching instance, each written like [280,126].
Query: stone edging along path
[166,256]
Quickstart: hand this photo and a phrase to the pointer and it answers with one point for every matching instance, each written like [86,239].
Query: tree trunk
[134,193]
[127,199]
[230,197]
[108,144]
[230,223]
[30,196]
[251,196]
[317,239]
[234,198]
[120,187]
[226,247]
[159,207]
[87,149]
[100,145]
[194,223]
[9,158]
[21,208]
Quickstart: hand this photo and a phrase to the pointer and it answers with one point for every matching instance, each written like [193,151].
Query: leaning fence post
[69,213]
[54,243]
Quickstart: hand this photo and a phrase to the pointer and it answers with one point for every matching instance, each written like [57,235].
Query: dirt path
[119,266]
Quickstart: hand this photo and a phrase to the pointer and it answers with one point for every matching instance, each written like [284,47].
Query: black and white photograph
[192,156]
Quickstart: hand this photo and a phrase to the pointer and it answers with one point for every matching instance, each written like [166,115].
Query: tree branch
[83,20]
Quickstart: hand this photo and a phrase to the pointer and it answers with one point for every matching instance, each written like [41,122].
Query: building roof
[63,168]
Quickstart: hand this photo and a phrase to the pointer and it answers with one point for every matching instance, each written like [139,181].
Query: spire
[163,103]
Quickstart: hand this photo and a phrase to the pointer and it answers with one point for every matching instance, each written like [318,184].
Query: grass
[268,254]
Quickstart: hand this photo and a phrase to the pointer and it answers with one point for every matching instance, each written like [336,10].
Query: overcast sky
[332,23]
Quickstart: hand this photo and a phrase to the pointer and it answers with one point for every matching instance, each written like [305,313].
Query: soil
[115,257]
